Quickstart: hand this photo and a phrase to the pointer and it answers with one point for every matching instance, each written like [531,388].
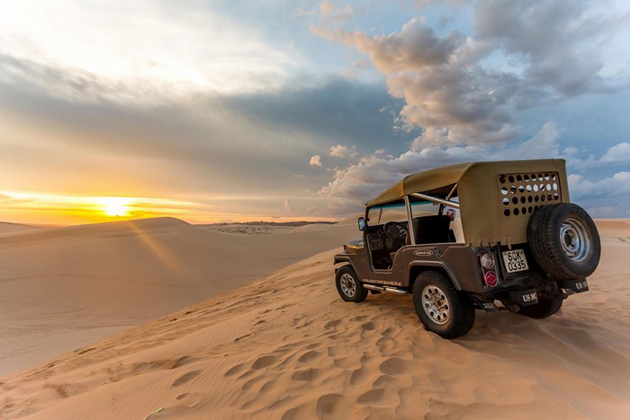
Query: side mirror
[362,224]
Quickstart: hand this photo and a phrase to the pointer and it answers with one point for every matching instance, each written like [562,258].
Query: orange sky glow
[47,209]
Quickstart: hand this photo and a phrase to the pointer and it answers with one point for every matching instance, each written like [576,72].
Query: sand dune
[61,288]
[6,227]
[285,346]
[613,228]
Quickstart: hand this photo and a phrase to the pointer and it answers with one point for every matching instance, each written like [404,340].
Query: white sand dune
[61,288]
[285,346]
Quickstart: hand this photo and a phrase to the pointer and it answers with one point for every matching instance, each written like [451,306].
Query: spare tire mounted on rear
[564,241]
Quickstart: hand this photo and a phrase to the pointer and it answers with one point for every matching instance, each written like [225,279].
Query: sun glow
[115,206]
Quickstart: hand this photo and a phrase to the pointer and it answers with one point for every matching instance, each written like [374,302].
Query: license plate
[515,260]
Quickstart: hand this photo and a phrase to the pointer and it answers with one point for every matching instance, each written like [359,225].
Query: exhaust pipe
[384,289]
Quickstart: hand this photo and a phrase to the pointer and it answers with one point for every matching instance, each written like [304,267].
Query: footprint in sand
[368,326]
[395,366]
[190,399]
[372,396]
[327,405]
[305,375]
[186,378]
[263,362]
[234,370]
[309,356]
[332,324]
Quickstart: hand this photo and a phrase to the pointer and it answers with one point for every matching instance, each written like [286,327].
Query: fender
[344,258]
[441,264]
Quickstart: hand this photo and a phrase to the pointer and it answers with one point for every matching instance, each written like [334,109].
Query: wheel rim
[436,304]
[575,239]
[348,285]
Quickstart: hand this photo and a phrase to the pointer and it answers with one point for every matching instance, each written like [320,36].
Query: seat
[432,229]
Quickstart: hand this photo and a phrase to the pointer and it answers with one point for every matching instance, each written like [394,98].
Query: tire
[564,241]
[543,309]
[433,290]
[349,286]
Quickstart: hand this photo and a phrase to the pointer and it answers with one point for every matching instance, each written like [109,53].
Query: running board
[384,289]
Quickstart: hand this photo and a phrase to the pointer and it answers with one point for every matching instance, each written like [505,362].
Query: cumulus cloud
[315,160]
[617,185]
[357,183]
[451,92]
[619,153]
[615,156]
[343,151]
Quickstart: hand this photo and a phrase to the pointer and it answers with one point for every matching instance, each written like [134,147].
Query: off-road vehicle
[482,235]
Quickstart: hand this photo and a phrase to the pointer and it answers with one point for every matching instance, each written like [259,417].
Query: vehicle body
[521,246]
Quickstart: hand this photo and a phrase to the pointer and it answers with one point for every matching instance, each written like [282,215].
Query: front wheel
[442,309]
[349,286]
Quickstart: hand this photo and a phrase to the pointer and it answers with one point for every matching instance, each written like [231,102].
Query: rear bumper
[575,285]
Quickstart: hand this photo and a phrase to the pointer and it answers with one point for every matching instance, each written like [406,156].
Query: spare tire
[564,241]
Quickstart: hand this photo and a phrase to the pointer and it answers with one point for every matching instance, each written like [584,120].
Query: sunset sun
[115,206]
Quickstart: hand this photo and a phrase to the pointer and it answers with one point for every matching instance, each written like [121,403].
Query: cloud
[451,3]
[328,12]
[357,183]
[455,94]
[617,185]
[354,112]
[559,41]
[615,156]
[106,51]
[331,13]
[315,160]
[343,151]
[619,153]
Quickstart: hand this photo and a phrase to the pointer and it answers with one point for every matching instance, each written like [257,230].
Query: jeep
[483,235]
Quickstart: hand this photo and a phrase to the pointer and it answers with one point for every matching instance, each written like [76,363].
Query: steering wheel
[394,231]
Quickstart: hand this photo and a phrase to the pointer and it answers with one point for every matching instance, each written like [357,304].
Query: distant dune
[6,227]
[64,287]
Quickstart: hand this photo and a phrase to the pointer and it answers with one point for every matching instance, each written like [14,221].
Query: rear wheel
[564,241]
[442,309]
[349,286]
[543,309]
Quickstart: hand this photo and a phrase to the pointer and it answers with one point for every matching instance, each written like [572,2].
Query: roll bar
[442,201]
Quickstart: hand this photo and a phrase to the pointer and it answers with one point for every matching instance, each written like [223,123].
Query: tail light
[486,261]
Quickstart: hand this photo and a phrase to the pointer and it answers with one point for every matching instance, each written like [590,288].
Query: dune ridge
[8,227]
[285,346]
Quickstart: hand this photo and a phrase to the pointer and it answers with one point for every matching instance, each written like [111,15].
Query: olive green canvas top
[496,198]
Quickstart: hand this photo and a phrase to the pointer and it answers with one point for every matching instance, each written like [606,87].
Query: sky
[215,111]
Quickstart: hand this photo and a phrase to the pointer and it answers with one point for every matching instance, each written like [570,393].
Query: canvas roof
[482,188]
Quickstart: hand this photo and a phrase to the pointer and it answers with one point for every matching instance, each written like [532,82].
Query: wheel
[543,309]
[349,286]
[564,241]
[442,309]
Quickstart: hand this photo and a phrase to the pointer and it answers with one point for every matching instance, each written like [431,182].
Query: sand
[6,227]
[285,346]
[61,288]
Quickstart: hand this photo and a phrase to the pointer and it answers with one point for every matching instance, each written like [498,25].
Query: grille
[521,194]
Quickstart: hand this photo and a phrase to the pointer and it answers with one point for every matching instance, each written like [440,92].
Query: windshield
[382,214]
